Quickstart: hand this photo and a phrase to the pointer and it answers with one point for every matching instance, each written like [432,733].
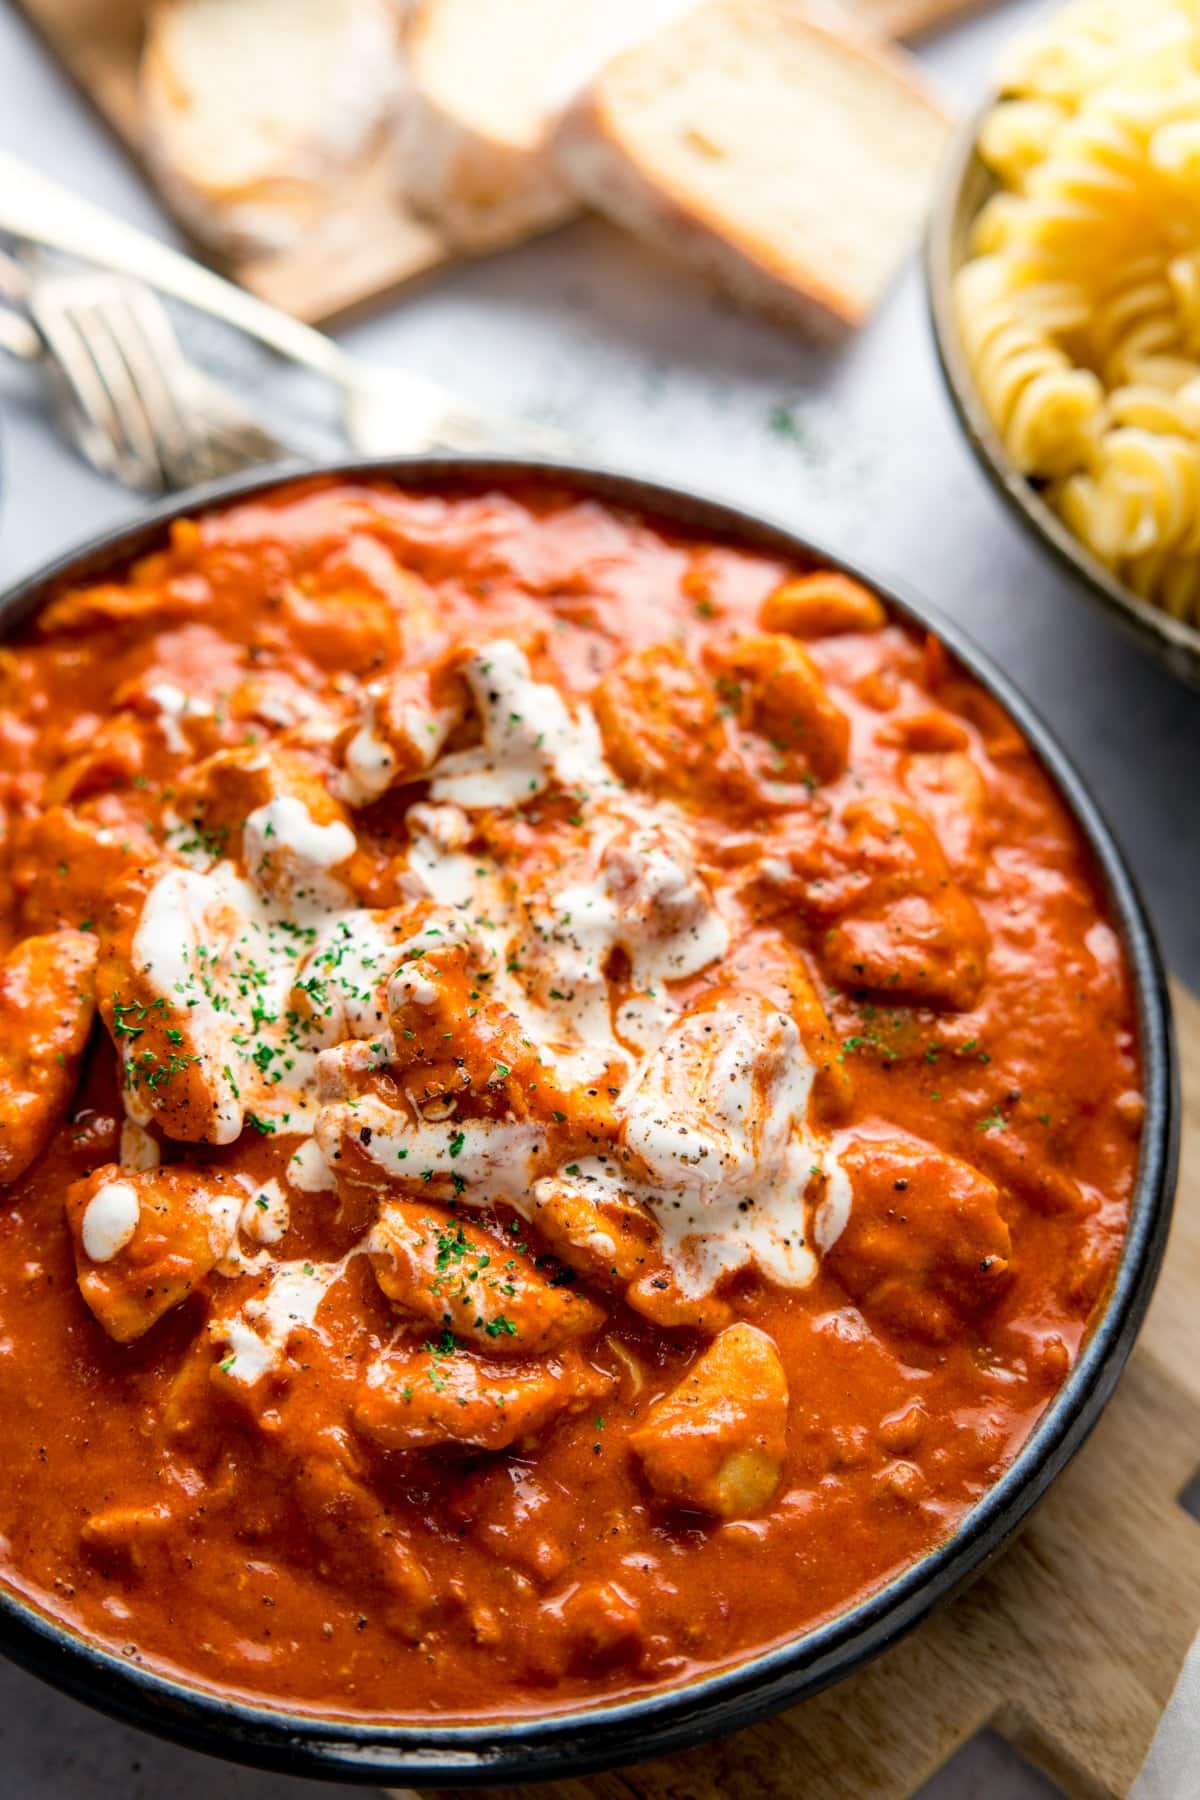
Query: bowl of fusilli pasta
[1064,277]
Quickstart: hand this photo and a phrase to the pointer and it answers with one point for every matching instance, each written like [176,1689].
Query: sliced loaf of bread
[790,162]
[483,84]
[256,109]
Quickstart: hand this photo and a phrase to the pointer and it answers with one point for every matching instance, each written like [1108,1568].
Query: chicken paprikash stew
[567,1096]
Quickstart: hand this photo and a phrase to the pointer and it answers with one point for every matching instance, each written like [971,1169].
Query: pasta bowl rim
[963,185]
[584,1738]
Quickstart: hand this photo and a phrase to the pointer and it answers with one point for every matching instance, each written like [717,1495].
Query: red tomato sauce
[521,1503]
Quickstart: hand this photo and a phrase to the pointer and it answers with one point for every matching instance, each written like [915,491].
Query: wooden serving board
[371,245]
[1069,1645]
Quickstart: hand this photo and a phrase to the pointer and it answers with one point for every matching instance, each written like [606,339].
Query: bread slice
[484,79]
[789,162]
[255,108]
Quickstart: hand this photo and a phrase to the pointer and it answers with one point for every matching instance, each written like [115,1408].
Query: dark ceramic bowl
[574,1742]
[966,183]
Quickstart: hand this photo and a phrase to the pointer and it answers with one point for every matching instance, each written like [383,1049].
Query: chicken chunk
[402,731]
[926,1247]
[62,860]
[266,1336]
[340,987]
[718,1441]
[351,602]
[374,1138]
[714,1140]
[949,788]
[162,931]
[823,604]
[341,625]
[1032,1177]
[773,685]
[276,808]
[911,932]
[603,945]
[600,1625]
[47,1004]
[355,1533]
[931,730]
[520,1518]
[112,757]
[145,1240]
[615,1244]
[605,1236]
[189,721]
[130,1535]
[451,1036]
[139,603]
[715,1121]
[414,1399]
[768,966]
[664,729]
[467,1280]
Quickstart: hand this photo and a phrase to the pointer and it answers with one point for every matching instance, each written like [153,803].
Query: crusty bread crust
[605,169]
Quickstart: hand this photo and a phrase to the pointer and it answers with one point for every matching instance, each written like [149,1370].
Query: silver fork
[384,410]
[132,402]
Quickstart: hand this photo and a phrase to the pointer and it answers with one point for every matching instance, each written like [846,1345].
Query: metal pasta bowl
[966,184]
[572,1742]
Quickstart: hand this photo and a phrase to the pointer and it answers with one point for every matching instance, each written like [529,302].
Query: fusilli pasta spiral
[1079,307]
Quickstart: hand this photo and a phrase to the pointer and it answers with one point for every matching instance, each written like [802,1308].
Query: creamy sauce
[257,1338]
[110,1220]
[529,738]
[494,1159]
[257,985]
[439,865]
[370,763]
[138,1149]
[344,974]
[716,1124]
[183,914]
[646,900]
[284,836]
[377,755]
[266,1215]
[223,1210]
[173,707]
[327,975]
[308,1171]
[833,1213]
[715,1145]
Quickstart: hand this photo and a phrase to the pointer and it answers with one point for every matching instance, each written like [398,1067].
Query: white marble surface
[859,449]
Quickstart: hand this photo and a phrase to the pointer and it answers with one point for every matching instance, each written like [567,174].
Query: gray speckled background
[858,449]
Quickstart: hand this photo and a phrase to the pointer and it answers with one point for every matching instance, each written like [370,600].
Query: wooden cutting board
[1069,1645]
[372,245]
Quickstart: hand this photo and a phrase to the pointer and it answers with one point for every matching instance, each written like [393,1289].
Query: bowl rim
[1172,641]
[582,1739]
